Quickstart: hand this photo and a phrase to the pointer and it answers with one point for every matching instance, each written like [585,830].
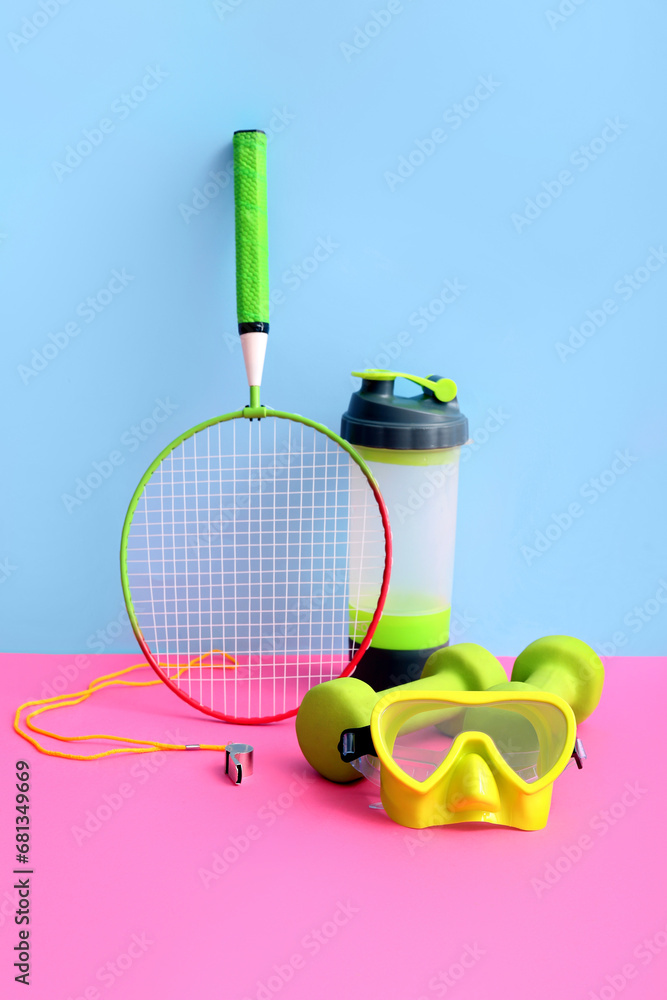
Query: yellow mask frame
[474,782]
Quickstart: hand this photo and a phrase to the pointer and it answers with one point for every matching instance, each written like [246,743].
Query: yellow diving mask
[444,757]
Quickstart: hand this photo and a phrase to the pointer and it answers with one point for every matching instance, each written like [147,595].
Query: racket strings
[267,542]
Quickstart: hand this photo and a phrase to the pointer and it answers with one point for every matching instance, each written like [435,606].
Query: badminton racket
[256,550]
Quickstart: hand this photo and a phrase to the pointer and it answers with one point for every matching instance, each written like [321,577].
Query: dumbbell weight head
[326,710]
[564,666]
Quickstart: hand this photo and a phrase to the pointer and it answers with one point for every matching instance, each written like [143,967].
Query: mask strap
[355,743]
[579,753]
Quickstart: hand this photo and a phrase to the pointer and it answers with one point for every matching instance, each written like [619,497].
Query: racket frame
[251,412]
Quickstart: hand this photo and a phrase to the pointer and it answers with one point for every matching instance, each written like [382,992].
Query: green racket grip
[252,242]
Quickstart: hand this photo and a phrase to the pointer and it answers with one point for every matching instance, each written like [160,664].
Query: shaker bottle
[412,446]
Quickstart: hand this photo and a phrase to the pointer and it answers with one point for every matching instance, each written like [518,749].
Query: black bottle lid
[376,418]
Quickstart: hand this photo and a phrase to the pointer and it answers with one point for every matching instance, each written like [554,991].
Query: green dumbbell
[558,664]
[347,703]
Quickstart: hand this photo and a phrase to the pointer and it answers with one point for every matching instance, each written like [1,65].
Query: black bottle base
[387,668]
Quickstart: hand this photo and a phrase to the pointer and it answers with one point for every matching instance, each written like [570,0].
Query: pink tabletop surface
[153,876]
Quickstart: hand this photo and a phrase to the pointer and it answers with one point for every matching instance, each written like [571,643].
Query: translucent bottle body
[420,489]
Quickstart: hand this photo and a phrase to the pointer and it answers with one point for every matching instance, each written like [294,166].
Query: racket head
[255,562]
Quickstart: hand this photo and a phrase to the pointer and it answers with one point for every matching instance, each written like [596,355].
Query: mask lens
[424,739]
[529,736]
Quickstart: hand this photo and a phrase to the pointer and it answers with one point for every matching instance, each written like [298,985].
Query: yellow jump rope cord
[106,680]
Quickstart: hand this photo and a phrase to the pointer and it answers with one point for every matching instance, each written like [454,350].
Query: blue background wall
[348,99]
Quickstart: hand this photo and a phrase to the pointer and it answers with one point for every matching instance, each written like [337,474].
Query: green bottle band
[402,631]
[398,456]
